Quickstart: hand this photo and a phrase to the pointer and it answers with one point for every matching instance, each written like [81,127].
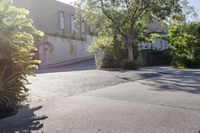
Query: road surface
[168,103]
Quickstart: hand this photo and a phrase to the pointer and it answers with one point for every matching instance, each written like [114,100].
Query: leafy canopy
[127,18]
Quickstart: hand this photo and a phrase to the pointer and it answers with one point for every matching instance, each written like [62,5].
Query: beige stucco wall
[64,51]
[45,14]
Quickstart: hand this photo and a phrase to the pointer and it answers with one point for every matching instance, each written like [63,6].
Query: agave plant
[12,90]
[16,54]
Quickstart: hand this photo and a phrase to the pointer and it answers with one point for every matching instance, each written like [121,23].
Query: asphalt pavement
[166,103]
[69,80]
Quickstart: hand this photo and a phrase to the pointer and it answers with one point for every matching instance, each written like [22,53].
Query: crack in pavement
[163,105]
[179,107]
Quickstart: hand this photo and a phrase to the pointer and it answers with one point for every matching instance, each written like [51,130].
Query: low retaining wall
[154,58]
[64,51]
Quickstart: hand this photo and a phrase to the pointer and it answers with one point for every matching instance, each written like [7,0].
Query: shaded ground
[26,121]
[77,78]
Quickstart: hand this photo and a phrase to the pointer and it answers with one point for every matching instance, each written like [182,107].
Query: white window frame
[62,21]
[72,18]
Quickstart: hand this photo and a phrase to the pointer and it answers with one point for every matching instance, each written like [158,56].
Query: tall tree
[127,17]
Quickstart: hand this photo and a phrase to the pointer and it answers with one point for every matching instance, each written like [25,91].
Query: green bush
[101,44]
[130,65]
[185,41]
[113,52]
[16,54]
[108,61]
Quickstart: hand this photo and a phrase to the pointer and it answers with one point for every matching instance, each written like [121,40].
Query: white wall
[64,51]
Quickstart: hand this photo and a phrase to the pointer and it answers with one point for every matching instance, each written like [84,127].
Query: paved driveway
[169,103]
[77,78]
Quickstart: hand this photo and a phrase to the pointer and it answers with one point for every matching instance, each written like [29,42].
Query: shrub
[101,44]
[108,60]
[16,54]
[109,52]
[185,41]
[130,65]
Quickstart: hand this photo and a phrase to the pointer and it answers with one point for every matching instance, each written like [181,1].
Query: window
[62,21]
[73,30]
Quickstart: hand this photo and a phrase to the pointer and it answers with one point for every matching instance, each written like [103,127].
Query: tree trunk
[130,52]
[129,45]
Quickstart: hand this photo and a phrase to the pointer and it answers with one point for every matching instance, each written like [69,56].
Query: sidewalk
[165,104]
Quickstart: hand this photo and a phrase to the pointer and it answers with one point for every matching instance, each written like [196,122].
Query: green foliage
[16,54]
[110,52]
[127,18]
[101,44]
[185,42]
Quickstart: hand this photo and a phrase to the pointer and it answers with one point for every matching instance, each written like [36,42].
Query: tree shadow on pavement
[187,81]
[25,121]
[139,77]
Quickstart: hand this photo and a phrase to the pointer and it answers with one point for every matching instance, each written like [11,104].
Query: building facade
[70,37]
[53,17]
